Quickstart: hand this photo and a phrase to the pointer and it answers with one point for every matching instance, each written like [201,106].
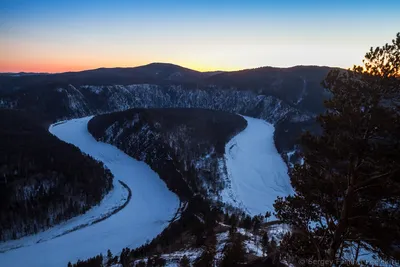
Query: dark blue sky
[70,35]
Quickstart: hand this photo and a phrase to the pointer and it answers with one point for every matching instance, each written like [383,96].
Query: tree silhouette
[184,262]
[347,192]
[234,251]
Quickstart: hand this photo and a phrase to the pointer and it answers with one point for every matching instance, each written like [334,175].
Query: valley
[182,129]
[153,206]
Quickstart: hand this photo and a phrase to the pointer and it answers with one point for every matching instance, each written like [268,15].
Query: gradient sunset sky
[57,36]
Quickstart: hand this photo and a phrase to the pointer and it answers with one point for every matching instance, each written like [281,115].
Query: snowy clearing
[145,216]
[257,174]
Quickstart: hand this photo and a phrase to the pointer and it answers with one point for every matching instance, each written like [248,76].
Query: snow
[94,89]
[257,174]
[303,92]
[290,154]
[146,215]
[289,157]
[173,259]
[250,244]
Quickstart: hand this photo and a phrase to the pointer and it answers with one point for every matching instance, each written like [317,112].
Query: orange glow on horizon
[59,67]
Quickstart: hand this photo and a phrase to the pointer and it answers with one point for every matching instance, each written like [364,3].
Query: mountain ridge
[165,64]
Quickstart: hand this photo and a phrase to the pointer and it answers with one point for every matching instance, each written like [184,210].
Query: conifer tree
[247,224]
[124,258]
[265,242]
[109,258]
[140,264]
[207,258]
[273,251]
[347,192]
[234,252]
[184,262]
[268,215]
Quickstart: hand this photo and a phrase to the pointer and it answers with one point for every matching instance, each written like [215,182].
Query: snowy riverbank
[257,173]
[145,216]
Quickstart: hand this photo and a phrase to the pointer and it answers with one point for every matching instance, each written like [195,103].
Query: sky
[58,36]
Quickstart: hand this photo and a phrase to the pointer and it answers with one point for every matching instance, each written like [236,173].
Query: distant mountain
[300,85]
[155,73]
[18,74]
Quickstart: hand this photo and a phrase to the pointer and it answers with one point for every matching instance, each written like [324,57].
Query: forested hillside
[184,146]
[43,180]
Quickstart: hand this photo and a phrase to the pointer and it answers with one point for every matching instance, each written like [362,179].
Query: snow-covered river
[145,216]
[256,171]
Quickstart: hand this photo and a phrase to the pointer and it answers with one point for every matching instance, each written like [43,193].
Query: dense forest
[184,146]
[43,180]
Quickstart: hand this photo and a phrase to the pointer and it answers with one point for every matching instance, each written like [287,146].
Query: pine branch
[376,177]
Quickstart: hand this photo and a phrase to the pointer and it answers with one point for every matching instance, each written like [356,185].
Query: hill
[184,146]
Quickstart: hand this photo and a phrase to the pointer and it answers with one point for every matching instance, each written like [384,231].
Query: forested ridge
[184,146]
[43,180]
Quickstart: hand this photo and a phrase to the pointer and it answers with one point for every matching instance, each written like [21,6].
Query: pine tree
[150,262]
[247,224]
[347,192]
[184,262]
[257,220]
[109,258]
[272,251]
[233,220]
[265,242]
[234,252]
[140,264]
[268,215]
[207,258]
[226,218]
[158,261]
[124,258]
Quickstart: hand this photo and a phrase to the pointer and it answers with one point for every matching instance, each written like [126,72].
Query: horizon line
[168,63]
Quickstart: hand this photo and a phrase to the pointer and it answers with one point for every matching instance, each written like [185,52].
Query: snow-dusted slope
[256,172]
[146,215]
